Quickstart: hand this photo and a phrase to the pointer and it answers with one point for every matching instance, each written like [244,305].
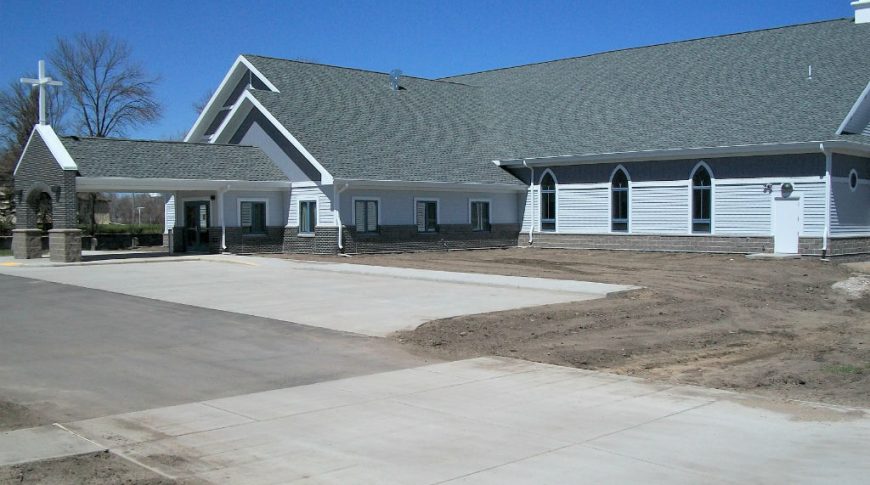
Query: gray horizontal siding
[850,215]
[660,210]
[741,209]
[583,210]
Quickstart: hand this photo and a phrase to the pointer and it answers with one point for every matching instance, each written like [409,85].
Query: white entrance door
[786,224]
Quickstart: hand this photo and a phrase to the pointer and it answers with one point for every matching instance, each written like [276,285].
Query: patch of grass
[5,252]
[844,369]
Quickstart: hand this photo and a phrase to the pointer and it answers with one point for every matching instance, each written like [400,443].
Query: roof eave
[842,146]
[430,185]
[109,184]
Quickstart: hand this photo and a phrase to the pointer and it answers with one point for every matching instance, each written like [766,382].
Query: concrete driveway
[368,300]
[69,353]
[493,421]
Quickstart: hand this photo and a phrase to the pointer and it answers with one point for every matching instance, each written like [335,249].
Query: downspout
[220,196]
[532,204]
[828,167]
[336,193]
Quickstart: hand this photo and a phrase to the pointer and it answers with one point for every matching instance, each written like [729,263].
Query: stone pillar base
[26,243]
[65,245]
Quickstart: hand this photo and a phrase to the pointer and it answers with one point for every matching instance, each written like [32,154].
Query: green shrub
[134,229]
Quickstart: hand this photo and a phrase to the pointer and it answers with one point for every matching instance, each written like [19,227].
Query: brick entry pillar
[26,243]
[65,245]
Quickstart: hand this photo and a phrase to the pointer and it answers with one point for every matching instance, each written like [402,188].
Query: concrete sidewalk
[498,421]
[368,300]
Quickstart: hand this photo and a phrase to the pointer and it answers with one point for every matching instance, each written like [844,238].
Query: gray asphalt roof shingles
[730,90]
[113,157]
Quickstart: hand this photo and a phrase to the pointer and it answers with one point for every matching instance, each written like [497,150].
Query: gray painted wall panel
[660,210]
[397,206]
[583,210]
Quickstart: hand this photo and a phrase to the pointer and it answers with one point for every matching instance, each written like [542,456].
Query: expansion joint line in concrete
[583,442]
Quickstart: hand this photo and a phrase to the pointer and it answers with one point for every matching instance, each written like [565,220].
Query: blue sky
[191,44]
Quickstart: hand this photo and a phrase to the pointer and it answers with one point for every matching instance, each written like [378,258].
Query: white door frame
[780,242]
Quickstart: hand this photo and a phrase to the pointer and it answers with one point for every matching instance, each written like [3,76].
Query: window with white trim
[252,217]
[480,216]
[619,201]
[427,216]
[307,216]
[366,215]
[548,202]
[702,200]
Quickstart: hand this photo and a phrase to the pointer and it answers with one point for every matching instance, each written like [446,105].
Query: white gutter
[440,186]
[130,184]
[828,167]
[842,146]
[336,194]
[532,195]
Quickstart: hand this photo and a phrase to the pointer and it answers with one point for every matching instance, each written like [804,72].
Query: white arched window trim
[555,219]
[616,170]
[698,166]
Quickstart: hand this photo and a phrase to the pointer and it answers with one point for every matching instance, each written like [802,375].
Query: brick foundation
[635,242]
[239,242]
[847,246]
[323,241]
[449,236]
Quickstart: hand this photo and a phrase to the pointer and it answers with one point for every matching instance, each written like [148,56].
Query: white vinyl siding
[169,213]
[583,210]
[660,209]
[741,209]
[529,204]
[324,205]
[813,199]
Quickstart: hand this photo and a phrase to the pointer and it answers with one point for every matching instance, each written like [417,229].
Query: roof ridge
[180,142]
[684,41]
[357,69]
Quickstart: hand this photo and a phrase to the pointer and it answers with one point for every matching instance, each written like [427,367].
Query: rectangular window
[366,215]
[427,216]
[701,196]
[480,216]
[307,216]
[252,217]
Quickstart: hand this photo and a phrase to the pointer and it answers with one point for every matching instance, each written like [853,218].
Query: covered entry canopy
[56,168]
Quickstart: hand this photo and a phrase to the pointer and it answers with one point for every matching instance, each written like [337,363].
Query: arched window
[702,206]
[619,201]
[548,202]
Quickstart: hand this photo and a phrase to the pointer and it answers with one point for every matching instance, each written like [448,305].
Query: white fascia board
[228,83]
[435,186]
[863,98]
[688,153]
[247,97]
[126,184]
[55,146]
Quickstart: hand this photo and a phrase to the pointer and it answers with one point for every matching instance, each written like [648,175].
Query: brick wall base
[449,236]
[807,246]
[239,242]
[27,243]
[65,245]
[323,241]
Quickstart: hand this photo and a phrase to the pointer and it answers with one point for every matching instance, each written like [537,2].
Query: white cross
[42,82]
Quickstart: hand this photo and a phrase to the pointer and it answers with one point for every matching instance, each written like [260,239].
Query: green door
[196,223]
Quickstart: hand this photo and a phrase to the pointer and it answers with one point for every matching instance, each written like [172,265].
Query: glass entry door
[196,223]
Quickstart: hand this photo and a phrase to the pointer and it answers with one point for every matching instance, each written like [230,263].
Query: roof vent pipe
[862,11]
[395,74]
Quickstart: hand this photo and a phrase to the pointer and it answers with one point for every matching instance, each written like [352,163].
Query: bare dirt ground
[95,468]
[769,327]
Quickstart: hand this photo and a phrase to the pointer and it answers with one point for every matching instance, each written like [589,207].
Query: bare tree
[110,92]
[19,112]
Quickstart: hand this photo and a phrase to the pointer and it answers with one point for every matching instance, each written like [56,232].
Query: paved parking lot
[494,421]
[360,299]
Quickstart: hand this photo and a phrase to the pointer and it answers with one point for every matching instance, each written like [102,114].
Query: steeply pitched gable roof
[737,89]
[113,157]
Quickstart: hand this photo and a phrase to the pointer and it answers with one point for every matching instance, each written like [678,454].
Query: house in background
[751,142]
